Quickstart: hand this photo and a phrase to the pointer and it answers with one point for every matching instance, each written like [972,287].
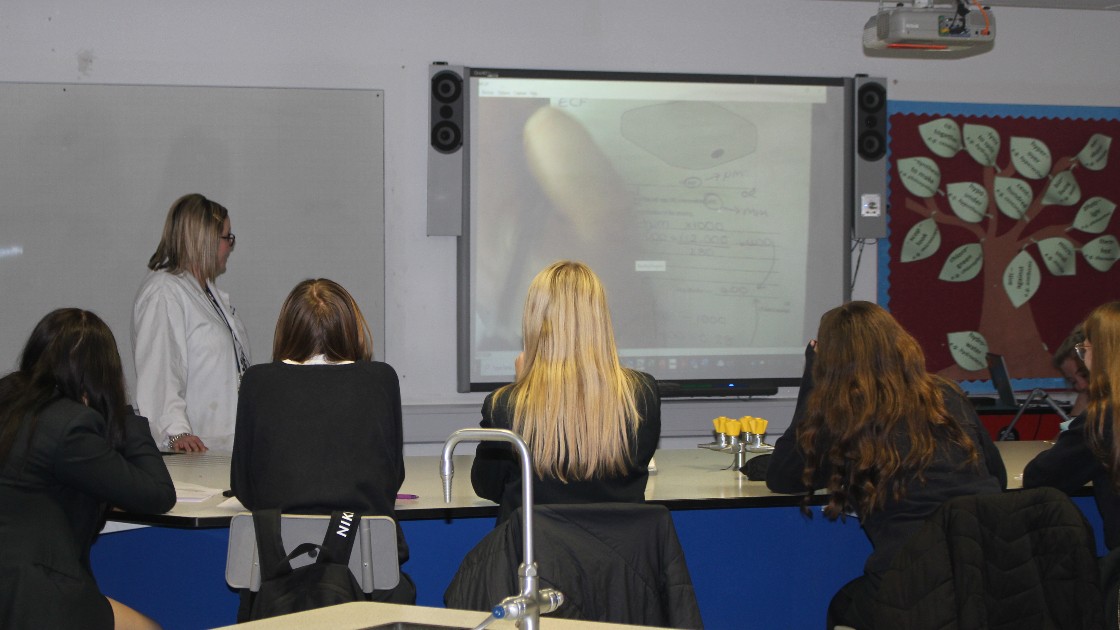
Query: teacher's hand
[189,444]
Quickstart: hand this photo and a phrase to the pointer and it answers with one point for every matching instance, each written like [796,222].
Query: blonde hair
[321,317]
[1102,331]
[190,239]
[573,402]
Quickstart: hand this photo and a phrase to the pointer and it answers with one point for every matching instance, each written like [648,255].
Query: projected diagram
[690,135]
[718,225]
[694,214]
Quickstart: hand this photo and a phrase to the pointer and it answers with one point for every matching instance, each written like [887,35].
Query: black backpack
[325,582]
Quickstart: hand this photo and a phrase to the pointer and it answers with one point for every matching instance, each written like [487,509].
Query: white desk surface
[363,615]
[684,478]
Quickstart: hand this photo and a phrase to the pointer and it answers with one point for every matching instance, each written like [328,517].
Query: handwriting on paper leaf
[922,241]
[969,349]
[963,263]
[968,200]
[1059,255]
[920,175]
[1013,196]
[1101,253]
[1021,278]
[1031,157]
[1062,191]
[982,143]
[1095,154]
[1094,215]
[942,136]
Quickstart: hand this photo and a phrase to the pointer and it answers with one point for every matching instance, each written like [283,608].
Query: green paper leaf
[968,200]
[942,136]
[920,175]
[1013,196]
[1021,278]
[969,349]
[982,143]
[1101,252]
[1094,215]
[1095,154]
[1059,255]
[1031,157]
[963,264]
[921,241]
[1062,191]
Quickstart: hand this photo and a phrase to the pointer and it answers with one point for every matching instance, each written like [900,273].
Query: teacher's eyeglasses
[1080,350]
[229,237]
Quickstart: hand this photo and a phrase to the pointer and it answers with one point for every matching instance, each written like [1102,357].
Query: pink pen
[408,496]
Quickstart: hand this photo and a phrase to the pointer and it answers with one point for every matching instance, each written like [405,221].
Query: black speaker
[869,159]
[447,111]
[446,154]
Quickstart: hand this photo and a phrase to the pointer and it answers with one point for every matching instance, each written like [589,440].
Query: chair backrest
[995,560]
[373,561]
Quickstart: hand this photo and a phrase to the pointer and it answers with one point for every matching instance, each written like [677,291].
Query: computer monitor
[997,369]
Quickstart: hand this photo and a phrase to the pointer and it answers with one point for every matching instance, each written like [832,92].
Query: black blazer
[55,490]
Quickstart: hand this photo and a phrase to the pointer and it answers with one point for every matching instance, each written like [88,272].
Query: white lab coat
[186,363]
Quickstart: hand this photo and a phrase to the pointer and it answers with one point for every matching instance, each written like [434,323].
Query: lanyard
[239,359]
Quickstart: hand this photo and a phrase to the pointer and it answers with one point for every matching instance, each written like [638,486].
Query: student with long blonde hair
[592,425]
[888,441]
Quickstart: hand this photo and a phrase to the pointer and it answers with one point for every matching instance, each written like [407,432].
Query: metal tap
[525,609]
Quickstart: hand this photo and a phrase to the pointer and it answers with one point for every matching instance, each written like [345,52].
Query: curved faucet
[532,601]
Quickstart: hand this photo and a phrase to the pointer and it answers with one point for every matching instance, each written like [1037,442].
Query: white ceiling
[1088,5]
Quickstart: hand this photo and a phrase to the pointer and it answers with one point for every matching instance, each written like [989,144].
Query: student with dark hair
[888,441]
[70,448]
[1073,369]
[319,428]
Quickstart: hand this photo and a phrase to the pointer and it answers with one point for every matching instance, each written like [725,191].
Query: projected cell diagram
[690,135]
[709,215]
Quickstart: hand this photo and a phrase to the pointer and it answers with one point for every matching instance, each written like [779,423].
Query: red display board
[1003,234]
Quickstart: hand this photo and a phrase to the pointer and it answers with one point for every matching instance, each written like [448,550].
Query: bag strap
[338,542]
[270,546]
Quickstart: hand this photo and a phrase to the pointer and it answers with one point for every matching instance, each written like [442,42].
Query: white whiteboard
[87,173]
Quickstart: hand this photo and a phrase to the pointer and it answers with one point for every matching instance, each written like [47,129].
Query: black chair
[614,562]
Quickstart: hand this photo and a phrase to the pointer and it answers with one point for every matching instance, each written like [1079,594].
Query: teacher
[190,347]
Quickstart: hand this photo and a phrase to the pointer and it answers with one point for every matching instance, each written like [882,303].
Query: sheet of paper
[194,493]
[232,504]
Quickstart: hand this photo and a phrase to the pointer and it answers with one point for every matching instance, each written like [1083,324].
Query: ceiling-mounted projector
[924,26]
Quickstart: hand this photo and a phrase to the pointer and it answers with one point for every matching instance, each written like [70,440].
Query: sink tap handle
[517,607]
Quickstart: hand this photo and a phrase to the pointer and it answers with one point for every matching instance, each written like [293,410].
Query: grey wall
[1042,56]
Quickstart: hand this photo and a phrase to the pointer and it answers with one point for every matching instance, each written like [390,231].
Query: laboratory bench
[755,559]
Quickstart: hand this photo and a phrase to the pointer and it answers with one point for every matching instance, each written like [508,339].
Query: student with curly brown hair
[888,441]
